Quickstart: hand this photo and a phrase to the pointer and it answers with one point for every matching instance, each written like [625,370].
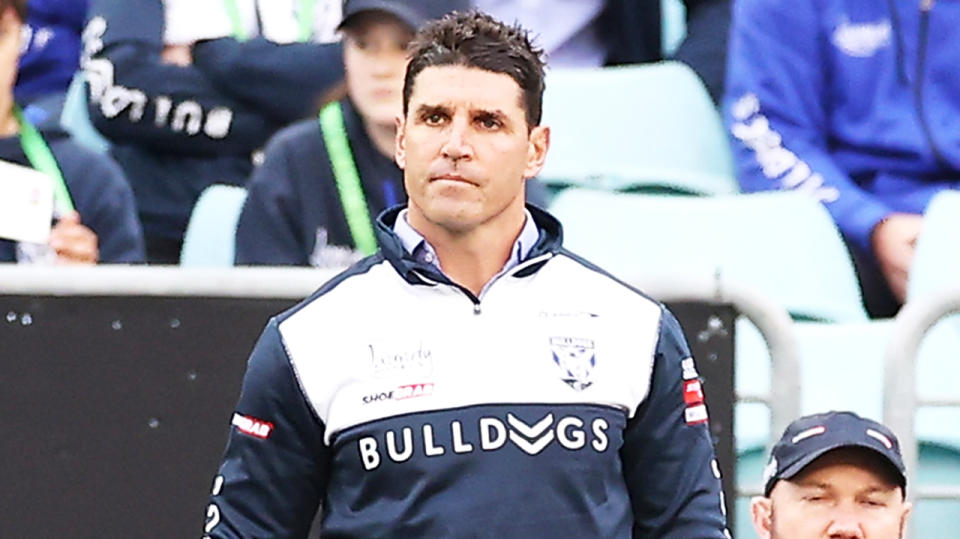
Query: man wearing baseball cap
[834,475]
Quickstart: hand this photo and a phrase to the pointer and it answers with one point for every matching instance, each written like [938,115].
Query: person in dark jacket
[94,211]
[471,378]
[176,124]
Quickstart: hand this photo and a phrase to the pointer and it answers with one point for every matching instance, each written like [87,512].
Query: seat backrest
[635,126]
[210,237]
[75,118]
[936,263]
[783,244]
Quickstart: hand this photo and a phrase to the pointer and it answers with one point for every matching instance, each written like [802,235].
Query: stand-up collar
[410,255]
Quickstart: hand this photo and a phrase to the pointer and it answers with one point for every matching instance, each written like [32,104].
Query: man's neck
[382,137]
[472,259]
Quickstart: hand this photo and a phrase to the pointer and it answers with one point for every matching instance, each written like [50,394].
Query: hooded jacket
[856,102]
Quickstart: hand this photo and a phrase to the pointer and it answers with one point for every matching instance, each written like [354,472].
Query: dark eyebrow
[426,110]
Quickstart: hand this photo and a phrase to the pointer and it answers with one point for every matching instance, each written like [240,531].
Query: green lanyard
[304,20]
[348,179]
[41,159]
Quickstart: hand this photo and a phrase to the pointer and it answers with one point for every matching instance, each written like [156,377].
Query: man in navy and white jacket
[855,102]
[473,378]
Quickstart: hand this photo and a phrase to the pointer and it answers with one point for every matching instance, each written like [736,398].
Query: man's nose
[457,145]
[845,525]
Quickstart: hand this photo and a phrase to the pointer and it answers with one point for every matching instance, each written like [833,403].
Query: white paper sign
[26,204]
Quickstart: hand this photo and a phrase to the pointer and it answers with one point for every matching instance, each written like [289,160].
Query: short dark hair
[475,39]
[20,6]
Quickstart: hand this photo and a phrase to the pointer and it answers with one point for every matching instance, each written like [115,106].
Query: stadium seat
[210,237]
[937,261]
[782,244]
[647,127]
[673,14]
[75,118]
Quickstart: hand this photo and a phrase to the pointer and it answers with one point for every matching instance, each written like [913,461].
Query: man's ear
[399,142]
[907,509]
[539,143]
[761,513]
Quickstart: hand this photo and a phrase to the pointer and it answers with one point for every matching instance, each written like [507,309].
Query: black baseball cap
[810,437]
[413,12]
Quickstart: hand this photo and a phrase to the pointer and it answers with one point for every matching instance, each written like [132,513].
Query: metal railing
[900,398]
[770,318]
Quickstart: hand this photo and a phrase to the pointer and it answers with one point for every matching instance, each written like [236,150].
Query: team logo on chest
[576,358]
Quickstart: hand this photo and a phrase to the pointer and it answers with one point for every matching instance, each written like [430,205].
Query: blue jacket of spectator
[856,102]
[177,129]
[52,42]
[99,192]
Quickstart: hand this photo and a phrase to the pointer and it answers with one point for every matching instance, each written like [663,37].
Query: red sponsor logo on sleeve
[692,392]
[252,426]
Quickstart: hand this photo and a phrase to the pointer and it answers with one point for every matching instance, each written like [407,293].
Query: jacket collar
[413,271]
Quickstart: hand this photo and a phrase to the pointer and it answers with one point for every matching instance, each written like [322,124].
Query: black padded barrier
[114,410]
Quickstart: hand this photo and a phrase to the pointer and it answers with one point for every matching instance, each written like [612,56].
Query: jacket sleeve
[775,110]
[269,230]
[114,218]
[668,457]
[285,81]
[704,48]
[136,98]
[275,466]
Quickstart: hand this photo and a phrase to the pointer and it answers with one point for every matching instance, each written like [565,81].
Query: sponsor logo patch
[862,40]
[388,361]
[692,392]
[408,391]
[689,369]
[695,415]
[252,426]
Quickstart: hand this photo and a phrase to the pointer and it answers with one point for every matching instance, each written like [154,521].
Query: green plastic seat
[210,238]
[643,127]
[782,244]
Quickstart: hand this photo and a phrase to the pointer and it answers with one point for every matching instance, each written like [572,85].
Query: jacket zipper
[925,7]
[474,299]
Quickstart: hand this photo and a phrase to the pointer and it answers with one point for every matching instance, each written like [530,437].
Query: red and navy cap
[809,437]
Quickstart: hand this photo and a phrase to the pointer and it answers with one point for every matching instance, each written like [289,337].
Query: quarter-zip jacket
[854,101]
[562,403]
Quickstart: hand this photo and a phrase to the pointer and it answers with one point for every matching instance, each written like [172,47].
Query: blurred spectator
[297,209]
[855,103]
[51,57]
[94,211]
[833,475]
[185,105]
[590,33]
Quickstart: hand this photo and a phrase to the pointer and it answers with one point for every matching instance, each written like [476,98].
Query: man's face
[466,150]
[846,493]
[374,58]
[10,29]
